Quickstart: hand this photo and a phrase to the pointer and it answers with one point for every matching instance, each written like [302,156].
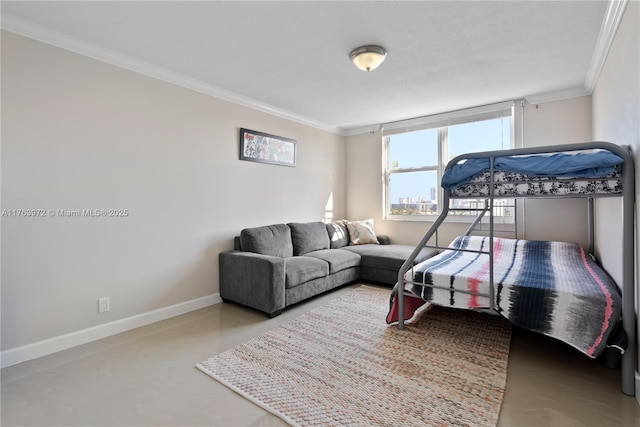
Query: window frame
[440,122]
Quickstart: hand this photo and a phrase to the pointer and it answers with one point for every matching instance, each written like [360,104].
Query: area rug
[342,365]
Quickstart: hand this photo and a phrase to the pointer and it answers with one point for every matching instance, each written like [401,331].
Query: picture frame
[266,148]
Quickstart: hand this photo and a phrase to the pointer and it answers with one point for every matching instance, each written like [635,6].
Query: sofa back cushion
[274,240]
[237,245]
[308,237]
[338,234]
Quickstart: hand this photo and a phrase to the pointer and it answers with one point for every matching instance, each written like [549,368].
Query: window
[416,152]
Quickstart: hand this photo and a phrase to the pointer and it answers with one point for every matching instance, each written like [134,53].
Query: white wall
[616,118]
[552,123]
[559,122]
[82,134]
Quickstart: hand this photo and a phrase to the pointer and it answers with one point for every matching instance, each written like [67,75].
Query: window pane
[413,149]
[413,193]
[486,135]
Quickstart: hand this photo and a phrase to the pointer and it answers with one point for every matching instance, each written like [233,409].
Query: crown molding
[46,35]
[613,16]
[362,130]
[557,95]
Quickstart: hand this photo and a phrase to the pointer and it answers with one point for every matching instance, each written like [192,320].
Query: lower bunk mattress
[553,288]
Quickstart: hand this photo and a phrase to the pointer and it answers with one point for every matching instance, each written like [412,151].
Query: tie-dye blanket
[554,288]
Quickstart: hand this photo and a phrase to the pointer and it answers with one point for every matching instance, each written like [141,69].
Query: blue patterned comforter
[596,164]
[553,288]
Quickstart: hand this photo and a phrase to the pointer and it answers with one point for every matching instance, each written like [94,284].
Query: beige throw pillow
[361,232]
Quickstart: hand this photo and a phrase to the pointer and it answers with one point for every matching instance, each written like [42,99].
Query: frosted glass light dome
[369,57]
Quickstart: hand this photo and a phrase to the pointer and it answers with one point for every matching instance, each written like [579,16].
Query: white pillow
[361,232]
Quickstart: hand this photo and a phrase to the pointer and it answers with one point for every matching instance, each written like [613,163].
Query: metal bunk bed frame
[628,262]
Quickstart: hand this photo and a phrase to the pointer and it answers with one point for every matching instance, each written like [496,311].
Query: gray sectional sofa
[275,266]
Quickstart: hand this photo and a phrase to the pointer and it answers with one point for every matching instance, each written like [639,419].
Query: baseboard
[24,353]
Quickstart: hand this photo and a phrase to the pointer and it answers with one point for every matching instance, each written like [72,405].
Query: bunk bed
[555,288]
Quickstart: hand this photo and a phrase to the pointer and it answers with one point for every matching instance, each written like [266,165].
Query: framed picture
[265,148]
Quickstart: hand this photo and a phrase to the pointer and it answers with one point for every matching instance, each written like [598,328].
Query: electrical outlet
[103,305]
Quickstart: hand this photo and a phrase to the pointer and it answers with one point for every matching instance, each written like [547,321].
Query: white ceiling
[291,58]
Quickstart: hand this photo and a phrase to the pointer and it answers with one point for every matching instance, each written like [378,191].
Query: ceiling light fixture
[368,57]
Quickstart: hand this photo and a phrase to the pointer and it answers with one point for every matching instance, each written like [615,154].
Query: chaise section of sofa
[275,266]
[379,262]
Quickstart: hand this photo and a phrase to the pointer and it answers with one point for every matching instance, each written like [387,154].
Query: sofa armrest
[253,280]
[383,240]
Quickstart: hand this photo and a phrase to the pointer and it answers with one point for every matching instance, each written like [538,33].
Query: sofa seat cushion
[301,269]
[388,257]
[274,240]
[308,237]
[338,259]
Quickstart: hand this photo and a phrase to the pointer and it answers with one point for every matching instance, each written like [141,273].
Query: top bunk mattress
[513,184]
[596,172]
